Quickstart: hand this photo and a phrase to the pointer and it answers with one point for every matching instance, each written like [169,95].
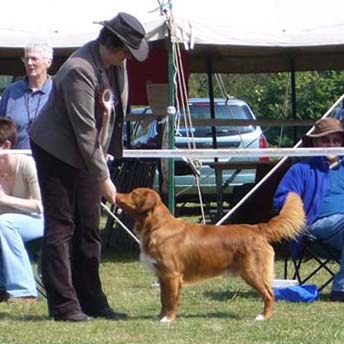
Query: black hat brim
[140,54]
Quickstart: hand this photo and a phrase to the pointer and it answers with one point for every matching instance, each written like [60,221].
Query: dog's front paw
[165,319]
[259,317]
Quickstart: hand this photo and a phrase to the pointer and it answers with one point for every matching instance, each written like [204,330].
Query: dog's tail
[289,223]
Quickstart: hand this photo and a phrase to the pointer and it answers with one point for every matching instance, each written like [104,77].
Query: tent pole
[171,116]
[293,96]
[218,176]
[211,99]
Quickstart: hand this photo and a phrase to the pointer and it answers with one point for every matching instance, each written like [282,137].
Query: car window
[222,111]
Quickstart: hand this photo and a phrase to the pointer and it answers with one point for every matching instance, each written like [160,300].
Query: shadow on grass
[152,317]
[183,315]
[217,315]
[324,297]
[25,317]
[230,295]
[119,255]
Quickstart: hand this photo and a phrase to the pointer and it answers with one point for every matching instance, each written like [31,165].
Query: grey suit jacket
[68,126]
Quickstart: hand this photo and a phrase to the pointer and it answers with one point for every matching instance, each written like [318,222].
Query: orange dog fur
[180,252]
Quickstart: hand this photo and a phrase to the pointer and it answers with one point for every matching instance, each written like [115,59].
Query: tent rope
[182,106]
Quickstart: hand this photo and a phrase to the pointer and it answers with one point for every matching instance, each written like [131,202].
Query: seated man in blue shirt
[320,182]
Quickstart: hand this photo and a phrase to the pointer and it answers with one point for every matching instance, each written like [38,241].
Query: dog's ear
[149,201]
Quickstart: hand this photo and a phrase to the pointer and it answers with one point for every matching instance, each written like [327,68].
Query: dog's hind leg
[169,295]
[257,270]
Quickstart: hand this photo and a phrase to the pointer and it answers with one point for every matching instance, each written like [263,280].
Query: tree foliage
[269,96]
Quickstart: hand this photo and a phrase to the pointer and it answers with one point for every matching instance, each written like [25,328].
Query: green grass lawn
[221,310]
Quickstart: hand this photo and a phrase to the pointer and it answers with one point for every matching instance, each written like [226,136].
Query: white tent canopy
[64,24]
[239,36]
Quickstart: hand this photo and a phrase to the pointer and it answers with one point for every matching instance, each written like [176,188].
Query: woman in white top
[21,218]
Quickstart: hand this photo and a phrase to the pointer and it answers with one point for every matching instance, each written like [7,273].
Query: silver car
[146,134]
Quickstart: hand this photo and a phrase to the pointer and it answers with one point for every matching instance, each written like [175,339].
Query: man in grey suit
[69,139]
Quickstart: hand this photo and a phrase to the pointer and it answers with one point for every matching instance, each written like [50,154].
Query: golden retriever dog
[179,252]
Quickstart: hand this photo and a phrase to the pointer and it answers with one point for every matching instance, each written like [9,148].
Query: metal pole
[293,96]
[211,99]
[171,115]
[218,174]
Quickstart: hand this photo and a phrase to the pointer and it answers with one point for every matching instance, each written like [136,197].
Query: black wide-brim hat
[131,32]
[323,127]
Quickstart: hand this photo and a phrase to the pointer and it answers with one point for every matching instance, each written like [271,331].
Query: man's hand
[108,190]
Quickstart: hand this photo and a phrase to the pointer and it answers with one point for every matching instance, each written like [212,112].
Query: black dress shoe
[108,313]
[3,296]
[76,317]
[337,296]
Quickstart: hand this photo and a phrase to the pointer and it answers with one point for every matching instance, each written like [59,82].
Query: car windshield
[222,111]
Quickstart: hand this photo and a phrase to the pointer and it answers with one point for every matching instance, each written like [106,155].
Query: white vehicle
[249,136]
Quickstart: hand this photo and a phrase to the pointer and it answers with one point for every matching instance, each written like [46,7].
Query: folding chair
[306,249]
[309,249]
